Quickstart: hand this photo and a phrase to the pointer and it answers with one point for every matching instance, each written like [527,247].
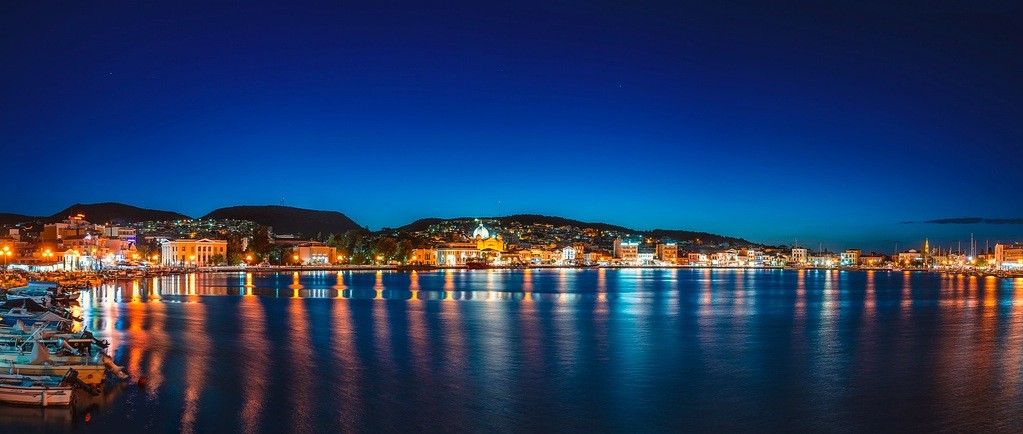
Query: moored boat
[42,391]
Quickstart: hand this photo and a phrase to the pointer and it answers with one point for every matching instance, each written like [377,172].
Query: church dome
[481,232]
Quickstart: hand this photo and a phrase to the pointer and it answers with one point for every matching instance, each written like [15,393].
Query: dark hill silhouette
[7,218]
[289,220]
[114,213]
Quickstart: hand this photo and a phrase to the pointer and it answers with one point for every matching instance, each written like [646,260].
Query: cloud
[970,221]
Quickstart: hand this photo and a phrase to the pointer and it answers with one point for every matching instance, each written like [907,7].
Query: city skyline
[827,123]
[925,230]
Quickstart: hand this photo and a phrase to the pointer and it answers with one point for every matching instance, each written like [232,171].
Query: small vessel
[43,391]
[13,315]
[91,370]
[477,265]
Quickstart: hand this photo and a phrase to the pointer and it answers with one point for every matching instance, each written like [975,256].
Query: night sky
[830,122]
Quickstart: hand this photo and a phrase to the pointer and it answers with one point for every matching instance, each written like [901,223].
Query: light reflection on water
[556,350]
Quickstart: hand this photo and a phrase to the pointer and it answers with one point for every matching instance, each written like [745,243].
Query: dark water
[556,351]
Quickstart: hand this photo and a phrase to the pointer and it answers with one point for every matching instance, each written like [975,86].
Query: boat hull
[43,396]
[89,374]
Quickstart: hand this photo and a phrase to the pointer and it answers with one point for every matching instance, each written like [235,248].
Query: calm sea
[554,351]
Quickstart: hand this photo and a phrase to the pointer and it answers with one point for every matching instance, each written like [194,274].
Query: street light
[7,256]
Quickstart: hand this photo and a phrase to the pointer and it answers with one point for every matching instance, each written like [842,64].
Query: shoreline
[398,268]
[83,279]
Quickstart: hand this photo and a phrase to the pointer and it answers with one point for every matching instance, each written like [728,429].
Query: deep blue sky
[824,121]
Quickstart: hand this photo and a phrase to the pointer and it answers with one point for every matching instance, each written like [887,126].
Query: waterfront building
[423,256]
[568,255]
[667,253]
[184,252]
[850,257]
[485,239]
[799,255]
[872,260]
[823,259]
[626,251]
[696,258]
[909,257]
[72,260]
[314,253]
[597,257]
[1008,256]
[580,251]
[457,253]
[725,257]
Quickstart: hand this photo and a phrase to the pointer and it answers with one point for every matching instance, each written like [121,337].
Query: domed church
[485,241]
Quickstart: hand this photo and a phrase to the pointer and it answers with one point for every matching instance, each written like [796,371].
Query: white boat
[44,391]
[90,370]
[13,315]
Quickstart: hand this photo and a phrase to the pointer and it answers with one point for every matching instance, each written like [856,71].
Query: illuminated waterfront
[556,350]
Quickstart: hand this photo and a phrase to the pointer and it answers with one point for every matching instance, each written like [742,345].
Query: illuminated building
[1009,256]
[314,252]
[568,255]
[580,251]
[191,252]
[626,251]
[849,257]
[667,253]
[798,255]
[424,256]
[872,260]
[485,240]
[824,259]
[457,253]
[909,257]
[597,257]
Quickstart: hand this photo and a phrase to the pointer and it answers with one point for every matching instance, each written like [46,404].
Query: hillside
[528,219]
[114,213]
[12,219]
[289,220]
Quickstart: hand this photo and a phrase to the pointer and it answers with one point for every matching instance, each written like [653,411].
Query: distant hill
[421,224]
[115,213]
[13,219]
[289,220]
[528,219]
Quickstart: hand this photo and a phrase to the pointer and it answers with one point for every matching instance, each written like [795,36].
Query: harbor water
[554,350]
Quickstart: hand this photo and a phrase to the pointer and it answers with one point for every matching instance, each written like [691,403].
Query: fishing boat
[477,265]
[13,315]
[43,391]
[91,370]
